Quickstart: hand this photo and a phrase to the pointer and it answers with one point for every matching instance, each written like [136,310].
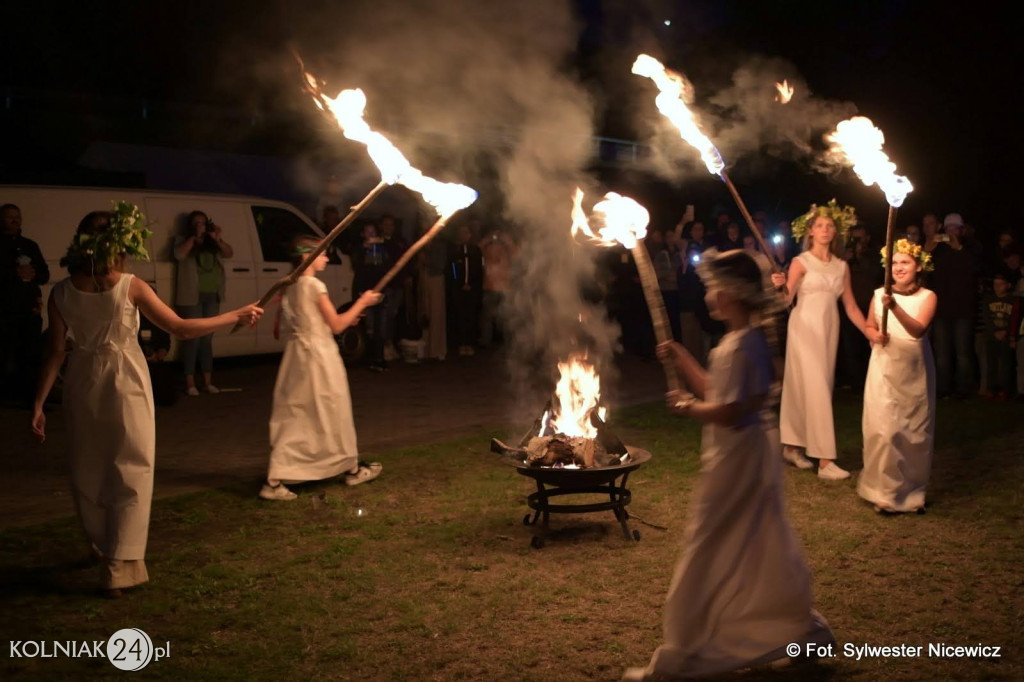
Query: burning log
[857,142]
[579,437]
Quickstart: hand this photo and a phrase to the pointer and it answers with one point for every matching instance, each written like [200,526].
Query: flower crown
[126,235]
[844,218]
[923,258]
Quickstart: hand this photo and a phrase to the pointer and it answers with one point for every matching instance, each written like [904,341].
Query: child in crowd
[108,396]
[742,590]
[312,435]
[997,309]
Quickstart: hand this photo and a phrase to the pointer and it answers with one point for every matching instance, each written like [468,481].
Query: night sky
[940,80]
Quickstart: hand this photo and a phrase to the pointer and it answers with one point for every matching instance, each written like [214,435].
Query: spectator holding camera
[955,282]
[199,291]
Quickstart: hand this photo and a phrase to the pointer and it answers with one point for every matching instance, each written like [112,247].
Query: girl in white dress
[312,434]
[817,277]
[108,397]
[899,396]
[741,591]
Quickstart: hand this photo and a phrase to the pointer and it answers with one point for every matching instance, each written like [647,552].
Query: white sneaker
[796,458]
[278,492]
[212,389]
[832,472]
[191,390]
[363,473]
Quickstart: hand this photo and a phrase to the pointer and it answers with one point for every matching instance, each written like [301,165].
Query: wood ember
[585,453]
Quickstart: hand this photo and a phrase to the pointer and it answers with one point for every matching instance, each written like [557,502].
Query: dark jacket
[18,297]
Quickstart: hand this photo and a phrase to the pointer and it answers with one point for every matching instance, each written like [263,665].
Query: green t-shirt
[209,272]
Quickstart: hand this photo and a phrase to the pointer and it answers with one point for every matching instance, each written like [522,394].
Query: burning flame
[623,220]
[670,102]
[785,92]
[347,109]
[858,143]
[578,391]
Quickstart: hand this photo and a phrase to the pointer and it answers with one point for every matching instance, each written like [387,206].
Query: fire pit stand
[559,482]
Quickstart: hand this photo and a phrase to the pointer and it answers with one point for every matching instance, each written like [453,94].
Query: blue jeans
[200,349]
[954,354]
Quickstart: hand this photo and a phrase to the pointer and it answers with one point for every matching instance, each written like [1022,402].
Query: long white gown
[811,343]
[899,413]
[108,399]
[742,590]
[312,436]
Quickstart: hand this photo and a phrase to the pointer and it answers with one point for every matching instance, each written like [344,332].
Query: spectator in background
[691,290]
[199,291]
[784,247]
[663,260]
[22,270]
[997,310]
[955,282]
[913,234]
[432,263]
[731,239]
[394,292]
[465,270]
[329,218]
[370,261]
[1016,333]
[866,275]
[931,231]
[497,251]
[1012,265]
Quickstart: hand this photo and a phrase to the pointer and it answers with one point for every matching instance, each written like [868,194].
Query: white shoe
[276,492]
[832,472]
[363,473]
[796,458]
[210,388]
[191,390]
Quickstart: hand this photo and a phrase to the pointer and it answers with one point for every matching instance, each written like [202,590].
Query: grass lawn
[427,573]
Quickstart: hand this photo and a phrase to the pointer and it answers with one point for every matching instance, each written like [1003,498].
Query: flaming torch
[624,221]
[447,198]
[858,143]
[671,103]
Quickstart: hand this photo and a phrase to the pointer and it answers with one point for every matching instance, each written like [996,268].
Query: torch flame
[858,143]
[623,220]
[785,92]
[578,392]
[670,102]
[347,109]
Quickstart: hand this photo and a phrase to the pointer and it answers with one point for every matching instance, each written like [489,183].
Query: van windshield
[277,227]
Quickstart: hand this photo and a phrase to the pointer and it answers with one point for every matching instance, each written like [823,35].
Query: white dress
[742,590]
[312,436]
[899,413]
[811,342]
[108,399]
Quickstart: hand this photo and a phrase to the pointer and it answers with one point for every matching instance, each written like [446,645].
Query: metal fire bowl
[582,478]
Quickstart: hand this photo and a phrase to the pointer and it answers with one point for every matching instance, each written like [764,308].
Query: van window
[277,227]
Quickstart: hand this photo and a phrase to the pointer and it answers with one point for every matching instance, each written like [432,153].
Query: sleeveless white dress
[899,413]
[312,435]
[811,343]
[108,400]
[742,589]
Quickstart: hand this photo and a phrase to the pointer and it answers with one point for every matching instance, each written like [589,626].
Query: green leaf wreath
[844,218]
[126,235]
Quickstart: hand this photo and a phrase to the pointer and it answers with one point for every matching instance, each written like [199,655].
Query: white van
[259,231]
